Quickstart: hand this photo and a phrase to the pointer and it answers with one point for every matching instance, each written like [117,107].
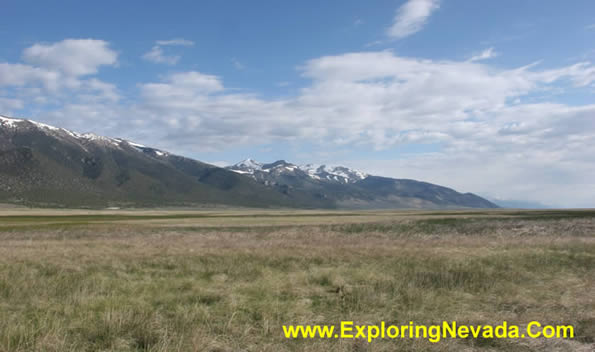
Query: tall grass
[138,288]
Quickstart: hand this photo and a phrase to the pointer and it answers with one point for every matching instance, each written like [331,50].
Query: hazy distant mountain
[518,204]
[348,188]
[51,166]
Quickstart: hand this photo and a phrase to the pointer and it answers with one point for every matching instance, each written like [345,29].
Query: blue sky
[493,97]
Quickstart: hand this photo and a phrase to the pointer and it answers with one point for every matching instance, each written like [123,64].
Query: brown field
[183,280]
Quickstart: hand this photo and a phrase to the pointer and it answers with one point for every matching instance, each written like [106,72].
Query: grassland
[228,280]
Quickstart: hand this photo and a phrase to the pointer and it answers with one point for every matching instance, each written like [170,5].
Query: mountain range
[343,187]
[43,165]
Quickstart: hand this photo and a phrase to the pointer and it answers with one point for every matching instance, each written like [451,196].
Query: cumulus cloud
[382,100]
[99,90]
[22,75]
[411,17]
[76,57]
[181,86]
[369,98]
[495,128]
[58,72]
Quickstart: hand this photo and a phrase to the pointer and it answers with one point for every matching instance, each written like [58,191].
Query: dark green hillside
[351,189]
[384,188]
[39,166]
[42,165]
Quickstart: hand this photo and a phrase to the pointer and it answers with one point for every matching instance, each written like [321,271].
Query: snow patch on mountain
[145,149]
[249,163]
[8,122]
[247,166]
[318,172]
[136,144]
[82,138]
[332,172]
[92,137]
[43,125]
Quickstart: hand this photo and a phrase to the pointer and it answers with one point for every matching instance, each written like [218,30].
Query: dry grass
[207,283]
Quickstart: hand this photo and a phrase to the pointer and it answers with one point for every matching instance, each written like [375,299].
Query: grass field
[228,280]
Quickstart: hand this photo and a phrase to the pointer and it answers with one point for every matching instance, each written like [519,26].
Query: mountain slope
[45,165]
[48,166]
[348,188]
[520,204]
[404,193]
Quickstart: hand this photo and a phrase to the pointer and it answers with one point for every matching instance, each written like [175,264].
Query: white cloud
[484,55]
[178,41]
[57,73]
[99,90]
[156,55]
[22,75]
[370,98]
[532,172]
[180,87]
[495,128]
[382,100]
[411,17]
[75,57]
[581,74]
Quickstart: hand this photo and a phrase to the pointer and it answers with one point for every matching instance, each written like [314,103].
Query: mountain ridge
[51,166]
[349,188]
[335,173]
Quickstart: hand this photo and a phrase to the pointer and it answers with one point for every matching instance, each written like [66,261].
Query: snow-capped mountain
[84,139]
[323,173]
[351,188]
[51,166]
[247,166]
[333,173]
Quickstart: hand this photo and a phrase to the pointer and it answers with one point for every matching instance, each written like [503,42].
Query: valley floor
[229,280]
